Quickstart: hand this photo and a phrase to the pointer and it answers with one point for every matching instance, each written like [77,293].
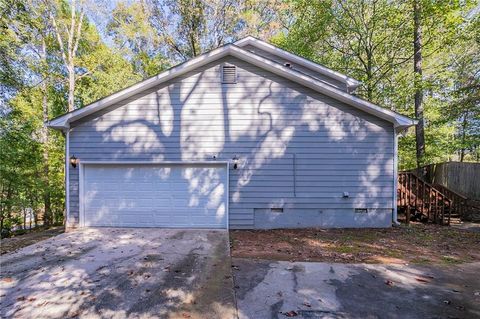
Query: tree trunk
[417,68]
[24,219]
[45,137]
[464,128]
[71,86]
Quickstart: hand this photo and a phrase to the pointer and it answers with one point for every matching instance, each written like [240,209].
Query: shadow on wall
[296,147]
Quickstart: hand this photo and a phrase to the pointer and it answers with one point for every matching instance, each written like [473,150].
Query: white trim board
[399,121]
[67,177]
[81,181]
[395,179]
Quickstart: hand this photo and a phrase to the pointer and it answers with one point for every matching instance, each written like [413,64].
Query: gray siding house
[245,136]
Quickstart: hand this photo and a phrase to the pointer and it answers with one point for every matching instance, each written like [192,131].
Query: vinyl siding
[297,149]
[319,76]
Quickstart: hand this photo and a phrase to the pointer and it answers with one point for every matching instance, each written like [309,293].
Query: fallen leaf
[420,279]
[291,313]
[307,304]
[21,298]
[7,279]
[389,283]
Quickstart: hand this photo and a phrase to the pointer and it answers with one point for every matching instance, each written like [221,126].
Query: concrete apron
[120,273]
[279,289]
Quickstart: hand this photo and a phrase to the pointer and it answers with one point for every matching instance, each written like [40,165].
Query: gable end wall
[298,150]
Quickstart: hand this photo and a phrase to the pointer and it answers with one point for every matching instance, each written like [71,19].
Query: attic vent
[229,74]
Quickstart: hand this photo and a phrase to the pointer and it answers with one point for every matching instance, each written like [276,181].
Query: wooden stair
[463,208]
[422,200]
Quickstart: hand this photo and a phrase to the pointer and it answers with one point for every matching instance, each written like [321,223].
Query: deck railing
[459,202]
[416,195]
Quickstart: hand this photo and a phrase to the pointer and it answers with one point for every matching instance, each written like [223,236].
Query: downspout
[395,178]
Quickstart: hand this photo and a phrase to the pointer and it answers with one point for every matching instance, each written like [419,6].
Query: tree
[417,69]
[131,30]
[188,28]
[362,38]
[68,32]
[32,157]
[464,106]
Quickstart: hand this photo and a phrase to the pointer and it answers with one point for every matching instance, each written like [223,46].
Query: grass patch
[420,261]
[450,260]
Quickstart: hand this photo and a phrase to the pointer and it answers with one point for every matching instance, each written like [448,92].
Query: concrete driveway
[120,273]
[280,289]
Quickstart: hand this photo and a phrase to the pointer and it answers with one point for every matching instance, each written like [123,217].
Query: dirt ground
[416,244]
[11,244]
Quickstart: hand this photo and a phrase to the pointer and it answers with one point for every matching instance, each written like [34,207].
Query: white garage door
[155,195]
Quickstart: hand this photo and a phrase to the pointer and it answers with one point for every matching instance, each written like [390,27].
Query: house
[244,136]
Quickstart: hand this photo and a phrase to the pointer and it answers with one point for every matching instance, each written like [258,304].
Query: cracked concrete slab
[120,273]
[280,289]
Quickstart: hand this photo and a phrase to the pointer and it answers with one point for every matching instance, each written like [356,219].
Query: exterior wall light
[73,161]
[235,162]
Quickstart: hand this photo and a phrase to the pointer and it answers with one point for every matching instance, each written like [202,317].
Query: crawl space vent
[361,211]
[229,74]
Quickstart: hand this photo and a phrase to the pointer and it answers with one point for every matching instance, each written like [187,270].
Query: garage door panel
[155,195]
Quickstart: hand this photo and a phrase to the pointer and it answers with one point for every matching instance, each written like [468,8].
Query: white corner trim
[399,121]
[395,178]
[350,82]
[67,177]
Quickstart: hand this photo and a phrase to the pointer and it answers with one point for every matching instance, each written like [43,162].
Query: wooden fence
[461,177]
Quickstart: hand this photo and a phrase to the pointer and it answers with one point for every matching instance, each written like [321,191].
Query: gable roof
[351,83]
[399,121]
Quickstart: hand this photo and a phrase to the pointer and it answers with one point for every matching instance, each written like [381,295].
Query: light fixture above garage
[73,161]
[235,162]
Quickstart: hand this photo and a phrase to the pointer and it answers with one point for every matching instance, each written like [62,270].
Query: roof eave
[398,120]
[351,83]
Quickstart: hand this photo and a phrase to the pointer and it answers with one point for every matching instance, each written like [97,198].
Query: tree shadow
[120,273]
[297,149]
